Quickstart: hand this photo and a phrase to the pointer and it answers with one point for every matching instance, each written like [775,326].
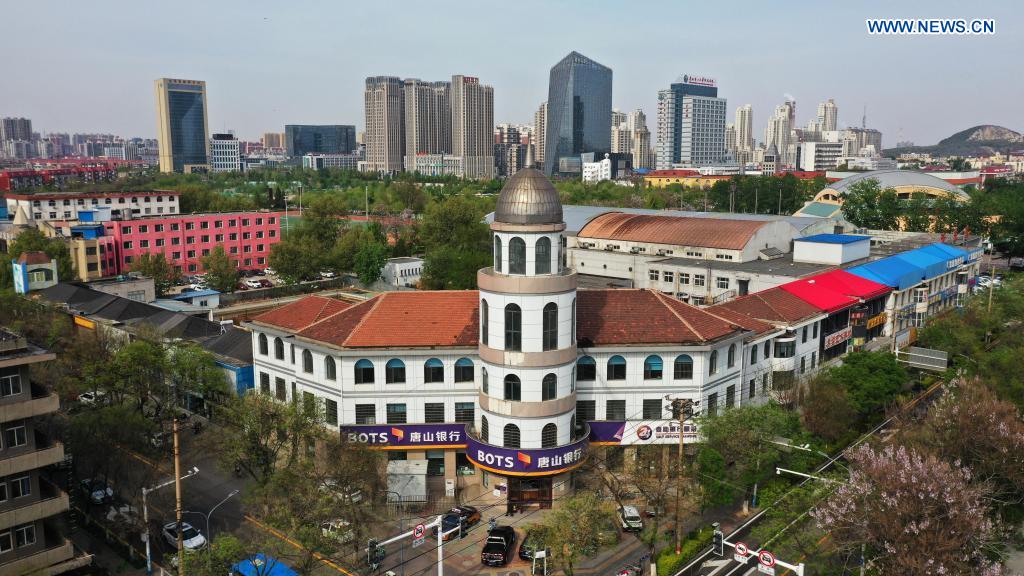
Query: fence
[282,291]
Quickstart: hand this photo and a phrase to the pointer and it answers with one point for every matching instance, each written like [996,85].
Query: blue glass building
[302,139]
[182,132]
[579,117]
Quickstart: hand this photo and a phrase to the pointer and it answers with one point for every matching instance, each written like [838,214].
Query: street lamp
[209,534]
[145,512]
[401,527]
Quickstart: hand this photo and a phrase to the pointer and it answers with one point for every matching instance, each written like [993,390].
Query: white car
[325,274]
[630,519]
[191,538]
[252,283]
[99,491]
[92,397]
[339,530]
[270,272]
[197,287]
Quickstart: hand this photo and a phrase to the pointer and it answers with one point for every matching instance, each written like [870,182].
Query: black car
[501,541]
[529,546]
[466,516]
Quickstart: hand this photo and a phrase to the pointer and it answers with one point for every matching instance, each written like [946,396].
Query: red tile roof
[403,319]
[673,230]
[451,318]
[630,316]
[772,305]
[301,313]
[33,258]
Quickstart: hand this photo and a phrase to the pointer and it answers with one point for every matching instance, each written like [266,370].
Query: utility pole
[177,477]
[366,199]
[780,199]
[683,409]
[755,197]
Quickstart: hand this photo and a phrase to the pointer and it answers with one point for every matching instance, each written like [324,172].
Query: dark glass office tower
[182,134]
[579,117]
[301,139]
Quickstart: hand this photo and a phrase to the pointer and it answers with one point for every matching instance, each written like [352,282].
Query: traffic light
[718,544]
[371,553]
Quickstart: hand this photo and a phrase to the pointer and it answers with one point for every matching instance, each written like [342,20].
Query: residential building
[273,140]
[472,121]
[691,124]
[225,153]
[15,129]
[436,165]
[342,161]
[93,206]
[855,140]
[778,133]
[510,150]
[182,133]
[730,139]
[598,171]
[428,117]
[302,139]
[631,136]
[32,525]
[744,132]
[13,180]
[540,127]
[385,124]
[828,115]
[816,156]
[578,114]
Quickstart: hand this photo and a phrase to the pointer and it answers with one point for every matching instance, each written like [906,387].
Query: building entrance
[529,493]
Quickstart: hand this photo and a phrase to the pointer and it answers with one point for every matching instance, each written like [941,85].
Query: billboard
[527,461]
[636,432]
[408,436]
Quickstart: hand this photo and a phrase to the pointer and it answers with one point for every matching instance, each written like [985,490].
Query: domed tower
[527,322]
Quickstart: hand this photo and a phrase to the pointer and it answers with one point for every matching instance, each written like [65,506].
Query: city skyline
[255,90]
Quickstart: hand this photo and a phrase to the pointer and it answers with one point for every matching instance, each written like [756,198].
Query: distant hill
[978,141]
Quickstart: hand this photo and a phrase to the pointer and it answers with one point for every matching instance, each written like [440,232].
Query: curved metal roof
[894,178]
[528,198]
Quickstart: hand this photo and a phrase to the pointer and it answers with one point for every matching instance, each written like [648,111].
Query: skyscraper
[779,132]
[302,139]
[473,126]
[540,134]
[631,136]
[745,128]
[828,114]
[272,140]
[579,110]
[730,139]
[428,117]
[182,132]
[15,129]
[225,153]
[691,124]
[385,124]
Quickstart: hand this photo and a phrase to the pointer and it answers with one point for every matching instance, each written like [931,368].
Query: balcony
[41,401]
[47,452]
[51,501]
[59,551]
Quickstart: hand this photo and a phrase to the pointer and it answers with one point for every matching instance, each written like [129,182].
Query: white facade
[818,156]
[45,207]
[832,253]
[402,272]
[225,153]
[597,171]
[436,165]
[702,142]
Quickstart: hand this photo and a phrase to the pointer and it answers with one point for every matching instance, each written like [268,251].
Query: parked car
[241,286]
[326,274]
[629,519]
[253,283]
[92,397]
[99,491]
[191,538]
[529,546]
[270,271]
[497,551]
[339,530]
[466,516]
[197,286]
[330,486]
[264,283]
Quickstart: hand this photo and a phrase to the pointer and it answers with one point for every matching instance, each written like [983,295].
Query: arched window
[497,253]
[586,369]
[433,371]
[652,368]
[542,256]
[550,328]
[364,372]
[572,381]
[730,358]
[263,344]
[307,361]
[549,436]
[394,371]
[484,431]
[330,368]
[549,387]
[573,327]
[513,388]
[483,379]
[767,350]
[713,363]
[683,368]
[616,368]
[278,348]
[753,354]
[485,325]
[511,436]
[516,256]
[513,328]
[463,370]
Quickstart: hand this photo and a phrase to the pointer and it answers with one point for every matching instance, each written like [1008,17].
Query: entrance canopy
[408,480]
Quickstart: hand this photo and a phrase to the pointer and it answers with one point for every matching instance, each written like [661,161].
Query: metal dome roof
[528,198]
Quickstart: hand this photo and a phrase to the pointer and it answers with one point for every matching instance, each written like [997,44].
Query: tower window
[513,328]
[542,256]
[513,388]
[497,253]
[550,336]
[516,256]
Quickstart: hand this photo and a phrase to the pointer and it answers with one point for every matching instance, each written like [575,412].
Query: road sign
[766,558]
[766,570]
[417,541]
[741,553]
[419,531]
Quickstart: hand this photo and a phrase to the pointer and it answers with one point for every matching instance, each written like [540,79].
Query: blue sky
[90,66]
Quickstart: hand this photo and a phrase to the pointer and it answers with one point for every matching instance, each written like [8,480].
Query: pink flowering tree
[912,513]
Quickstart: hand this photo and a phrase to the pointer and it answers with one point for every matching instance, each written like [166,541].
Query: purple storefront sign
[527,461]
[407,436]
[626,433]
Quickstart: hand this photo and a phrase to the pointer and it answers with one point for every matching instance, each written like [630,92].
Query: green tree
[296,258]
[457,244]
[369,262]
[155,266]
[32,240]
[871,379]
[714,489]
[577,529]
[867,205]
[221,272]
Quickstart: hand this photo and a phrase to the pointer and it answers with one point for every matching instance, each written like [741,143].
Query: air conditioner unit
[635,250]
[662,252]
[609,248]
